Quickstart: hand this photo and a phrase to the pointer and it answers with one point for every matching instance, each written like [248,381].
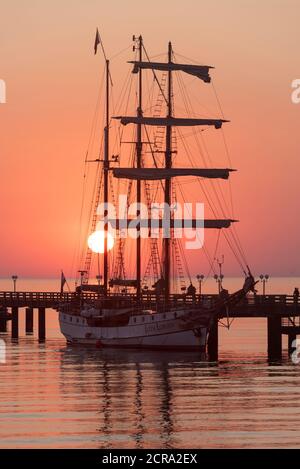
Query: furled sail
[120,282]
[170,121]
[90,288]
[155,223]
[200,71]
[153,174]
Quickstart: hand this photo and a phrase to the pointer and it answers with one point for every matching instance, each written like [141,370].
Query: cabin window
[175,315]
[134,319]
[64,316]
[143,319]
[164,316]
[71,319]
[152,318]
[77,320]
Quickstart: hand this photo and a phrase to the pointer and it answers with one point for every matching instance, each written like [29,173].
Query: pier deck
[282,313]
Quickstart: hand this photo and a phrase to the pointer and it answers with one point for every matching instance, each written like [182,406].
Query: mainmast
[168,165]
[139,146]
[105,182]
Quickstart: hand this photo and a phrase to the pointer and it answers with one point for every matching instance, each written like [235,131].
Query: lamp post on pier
[82,274]
[14,279]
[264,278]
[99,278]
[200,278]
[219,278]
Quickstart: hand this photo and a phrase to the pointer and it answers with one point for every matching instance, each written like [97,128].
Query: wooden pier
[281,311]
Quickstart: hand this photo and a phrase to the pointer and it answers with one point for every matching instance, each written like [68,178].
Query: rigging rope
[76,256]
[188,106]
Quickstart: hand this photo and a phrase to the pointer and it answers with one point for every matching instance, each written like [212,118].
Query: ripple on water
[56,396]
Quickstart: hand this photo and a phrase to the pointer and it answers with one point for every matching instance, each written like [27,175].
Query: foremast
[105,182]
[105,172]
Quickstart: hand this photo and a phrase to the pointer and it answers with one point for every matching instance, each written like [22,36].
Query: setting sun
[96,242]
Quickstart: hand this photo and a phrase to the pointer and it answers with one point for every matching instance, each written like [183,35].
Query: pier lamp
[264,278]
[200,278]
[99,278]
[14,279]
[219,280]
[82,274]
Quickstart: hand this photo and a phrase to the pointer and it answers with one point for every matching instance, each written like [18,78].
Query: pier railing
[292,321]
[251,305]
[33,299]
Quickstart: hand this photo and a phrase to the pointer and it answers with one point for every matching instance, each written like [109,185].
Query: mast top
[138,42]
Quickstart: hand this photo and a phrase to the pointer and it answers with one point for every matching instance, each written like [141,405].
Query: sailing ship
[122,312]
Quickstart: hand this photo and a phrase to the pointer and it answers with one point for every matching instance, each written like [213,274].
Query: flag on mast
[63,280]
[97,41]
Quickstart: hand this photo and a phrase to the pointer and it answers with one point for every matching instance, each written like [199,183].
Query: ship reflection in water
[135,394]
[54,396]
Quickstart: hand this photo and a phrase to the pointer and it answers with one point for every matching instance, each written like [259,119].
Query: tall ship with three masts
[146,310]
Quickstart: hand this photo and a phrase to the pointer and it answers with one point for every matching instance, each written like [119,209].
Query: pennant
[97,41]
[63,280]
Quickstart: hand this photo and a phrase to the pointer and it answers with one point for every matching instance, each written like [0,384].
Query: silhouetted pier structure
[281,311]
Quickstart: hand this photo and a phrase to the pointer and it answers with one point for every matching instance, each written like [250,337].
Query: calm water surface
[56,396]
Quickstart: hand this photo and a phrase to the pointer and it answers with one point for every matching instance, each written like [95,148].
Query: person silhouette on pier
[296,295]
[191,291]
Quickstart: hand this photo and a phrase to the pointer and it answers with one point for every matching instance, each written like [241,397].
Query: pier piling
[3,319]
[29,320]
[15,322]
[42,324]
[213,342]
[274,338]
[3,324]
[291,346]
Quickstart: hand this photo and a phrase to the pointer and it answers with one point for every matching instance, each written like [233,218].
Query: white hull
[148,331]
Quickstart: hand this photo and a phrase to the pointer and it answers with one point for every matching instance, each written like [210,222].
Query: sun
[96,241]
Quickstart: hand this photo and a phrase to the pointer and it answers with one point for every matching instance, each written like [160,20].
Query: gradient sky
[51,74]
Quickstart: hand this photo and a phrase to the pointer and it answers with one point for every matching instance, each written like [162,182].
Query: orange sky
[51,74]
